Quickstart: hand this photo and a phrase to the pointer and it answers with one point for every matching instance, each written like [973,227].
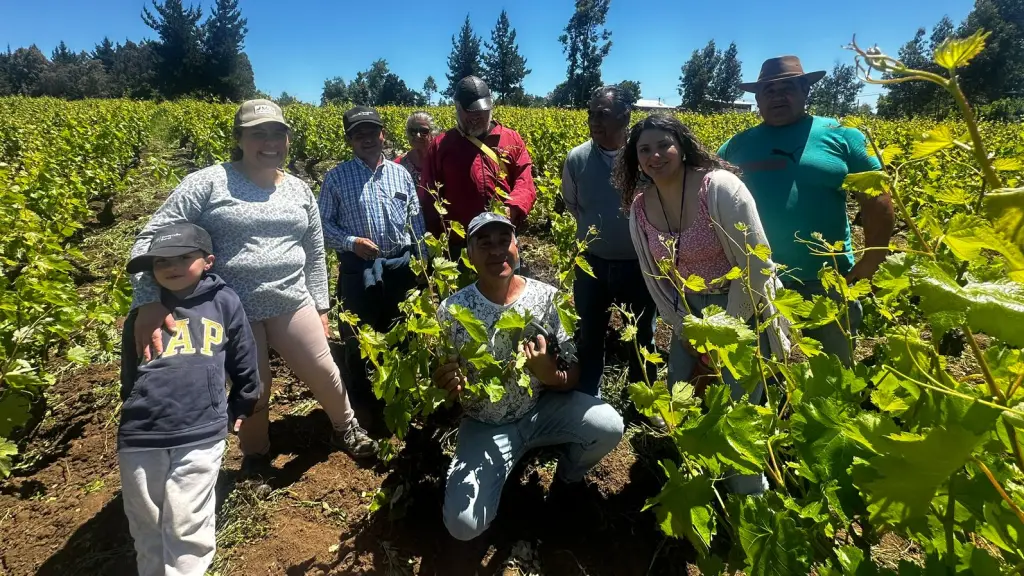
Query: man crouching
[493,436]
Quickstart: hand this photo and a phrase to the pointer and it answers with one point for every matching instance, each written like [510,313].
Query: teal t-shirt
[795,174]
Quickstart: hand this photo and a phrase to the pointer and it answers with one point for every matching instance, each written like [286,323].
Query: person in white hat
[493,436]
[794,165]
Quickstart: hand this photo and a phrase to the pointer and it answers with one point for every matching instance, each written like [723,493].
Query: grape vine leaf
[511,319]
[931,142]
[897,498]
[79,355]
[474,327]
[1005,208]
[828,434]
[7,449]
[771,539]
[977,562]
[683,509]
[995,308]
[1003,528]
[967,236]
[824,376]
[716,330]
[955,53]
[14,412]
[1007,164]
[727,432]
[870,183]
[791,305]
[424,325]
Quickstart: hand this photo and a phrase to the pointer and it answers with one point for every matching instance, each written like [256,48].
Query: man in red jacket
[474,162]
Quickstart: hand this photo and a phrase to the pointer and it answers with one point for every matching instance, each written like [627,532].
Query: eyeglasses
[419,132]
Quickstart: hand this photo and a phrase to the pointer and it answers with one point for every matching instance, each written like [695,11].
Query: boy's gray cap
[171,241]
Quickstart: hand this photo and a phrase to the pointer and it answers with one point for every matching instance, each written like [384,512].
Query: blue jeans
[486,454]
[681,365]
[831,336]
[618,282]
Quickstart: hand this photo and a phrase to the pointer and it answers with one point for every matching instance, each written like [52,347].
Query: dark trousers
[376,307]
[617,282]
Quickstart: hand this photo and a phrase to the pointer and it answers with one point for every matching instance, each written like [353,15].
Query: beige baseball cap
[256,112]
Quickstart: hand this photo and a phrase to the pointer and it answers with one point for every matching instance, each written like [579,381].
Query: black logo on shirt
[793,156]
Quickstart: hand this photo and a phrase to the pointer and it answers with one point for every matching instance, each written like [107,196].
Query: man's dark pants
[617,282]
[376,307]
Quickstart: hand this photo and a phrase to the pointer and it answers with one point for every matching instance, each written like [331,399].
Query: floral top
[537,299]
[408,165]
[698,251]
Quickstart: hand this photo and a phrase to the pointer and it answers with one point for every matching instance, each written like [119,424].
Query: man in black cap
[371,216]
[794,165]
[475,162]
[551,411]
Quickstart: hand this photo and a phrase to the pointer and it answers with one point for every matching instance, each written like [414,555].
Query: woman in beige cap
[265,227]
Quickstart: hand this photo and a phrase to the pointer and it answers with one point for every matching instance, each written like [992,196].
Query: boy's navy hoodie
[178,398]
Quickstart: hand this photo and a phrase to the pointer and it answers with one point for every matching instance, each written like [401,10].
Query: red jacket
[469,176]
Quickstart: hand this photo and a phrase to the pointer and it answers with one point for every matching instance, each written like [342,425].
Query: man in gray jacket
[593,201]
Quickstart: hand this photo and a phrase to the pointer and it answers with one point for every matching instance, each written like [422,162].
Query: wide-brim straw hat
[781,68]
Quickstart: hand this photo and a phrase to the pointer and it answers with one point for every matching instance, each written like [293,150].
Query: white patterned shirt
[537,299]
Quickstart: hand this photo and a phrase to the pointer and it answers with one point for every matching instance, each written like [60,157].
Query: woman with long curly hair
[684,205]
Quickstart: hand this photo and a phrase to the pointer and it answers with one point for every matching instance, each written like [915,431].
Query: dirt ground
[62,512]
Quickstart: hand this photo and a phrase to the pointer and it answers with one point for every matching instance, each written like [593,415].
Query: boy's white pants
[170,503]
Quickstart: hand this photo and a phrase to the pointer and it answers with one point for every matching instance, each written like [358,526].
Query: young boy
[175,415]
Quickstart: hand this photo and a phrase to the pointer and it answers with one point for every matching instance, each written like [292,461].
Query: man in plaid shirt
[371,216]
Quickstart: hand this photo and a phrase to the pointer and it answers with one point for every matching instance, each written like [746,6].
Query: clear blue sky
[295,46]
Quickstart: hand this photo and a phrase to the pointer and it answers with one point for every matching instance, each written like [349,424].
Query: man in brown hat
[794,165]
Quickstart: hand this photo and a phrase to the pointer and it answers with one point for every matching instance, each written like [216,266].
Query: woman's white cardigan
[729,203]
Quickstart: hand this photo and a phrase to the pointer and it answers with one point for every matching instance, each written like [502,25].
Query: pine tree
[62,55]
[725,87]
[465,57]
[504,67]
[179,52]
[133,74]
[429,88]
[227,73]
[697,75]
[104,52]
[585,49]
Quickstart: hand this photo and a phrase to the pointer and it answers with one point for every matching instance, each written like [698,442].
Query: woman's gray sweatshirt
[268,243]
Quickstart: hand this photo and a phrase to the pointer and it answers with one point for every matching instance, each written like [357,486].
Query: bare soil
[61,513]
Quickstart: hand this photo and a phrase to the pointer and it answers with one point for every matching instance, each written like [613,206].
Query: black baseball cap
[485,218]
[360,115]
[473,94]
[171,241]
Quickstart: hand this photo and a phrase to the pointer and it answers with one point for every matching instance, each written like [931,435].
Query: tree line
[204,58]
[499,62]
[188,58]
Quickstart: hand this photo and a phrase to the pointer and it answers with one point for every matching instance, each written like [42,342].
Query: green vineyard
[921,439]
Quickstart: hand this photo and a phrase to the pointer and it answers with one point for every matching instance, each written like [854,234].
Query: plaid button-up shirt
[379,204]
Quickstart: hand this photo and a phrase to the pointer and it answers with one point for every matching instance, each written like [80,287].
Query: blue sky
[295,46]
